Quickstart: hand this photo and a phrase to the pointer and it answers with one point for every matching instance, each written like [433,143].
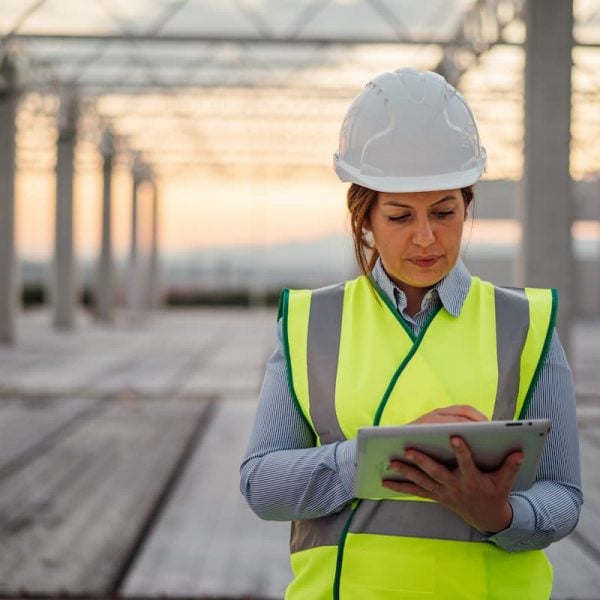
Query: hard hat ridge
[409,131]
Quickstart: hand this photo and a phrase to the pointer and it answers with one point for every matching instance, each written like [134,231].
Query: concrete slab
[29,428]
[70,520]
[208,543]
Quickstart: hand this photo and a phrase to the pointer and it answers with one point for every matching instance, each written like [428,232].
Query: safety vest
[352,362]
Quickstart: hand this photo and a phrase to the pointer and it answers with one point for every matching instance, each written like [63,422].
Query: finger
[458,413]
[440,418]
[466,411]
[435,471]
[405,487]
[414,475]
[508,471]
[464,458]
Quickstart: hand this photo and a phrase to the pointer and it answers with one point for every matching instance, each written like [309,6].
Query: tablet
[489,441]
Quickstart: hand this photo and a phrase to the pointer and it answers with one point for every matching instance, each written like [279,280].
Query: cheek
[388,237]
[451,237]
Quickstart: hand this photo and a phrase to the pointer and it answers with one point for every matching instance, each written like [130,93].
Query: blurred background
[232,110]
[165,169]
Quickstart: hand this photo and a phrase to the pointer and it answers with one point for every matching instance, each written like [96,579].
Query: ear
[466,211]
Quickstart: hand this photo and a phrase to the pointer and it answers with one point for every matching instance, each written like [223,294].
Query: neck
[414,298]
[414,295]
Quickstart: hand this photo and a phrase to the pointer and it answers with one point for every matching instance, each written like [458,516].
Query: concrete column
[546,257]
[64,290]
[132,286]
[153,267]
[105,283]
[8,258]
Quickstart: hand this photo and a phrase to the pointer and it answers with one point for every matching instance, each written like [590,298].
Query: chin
[419,277]
[427,281]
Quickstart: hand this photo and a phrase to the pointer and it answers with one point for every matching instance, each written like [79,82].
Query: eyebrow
[400,205]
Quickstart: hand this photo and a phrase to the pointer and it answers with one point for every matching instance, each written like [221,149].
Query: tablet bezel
[490,442]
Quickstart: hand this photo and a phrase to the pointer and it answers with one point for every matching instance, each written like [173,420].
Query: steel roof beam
[225,38]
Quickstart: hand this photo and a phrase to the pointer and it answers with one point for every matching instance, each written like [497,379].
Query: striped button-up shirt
[284,477]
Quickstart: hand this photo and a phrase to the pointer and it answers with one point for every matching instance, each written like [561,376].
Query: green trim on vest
[340,551]
[544,353]
[393,309]
[396,375]
[282,303]
[283,313]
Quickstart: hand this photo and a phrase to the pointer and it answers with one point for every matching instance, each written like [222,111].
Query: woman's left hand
[481,499]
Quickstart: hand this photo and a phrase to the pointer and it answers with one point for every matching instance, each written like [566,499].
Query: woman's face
[418,235]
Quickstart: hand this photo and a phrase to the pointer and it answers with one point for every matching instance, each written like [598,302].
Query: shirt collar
[452,290]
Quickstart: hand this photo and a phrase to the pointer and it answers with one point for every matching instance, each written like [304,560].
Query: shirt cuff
[345,457]
[523,522]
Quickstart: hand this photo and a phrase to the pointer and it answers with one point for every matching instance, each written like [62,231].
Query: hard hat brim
[422,183]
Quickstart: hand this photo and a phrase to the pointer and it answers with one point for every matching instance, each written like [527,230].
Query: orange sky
[193,214]
[218,214]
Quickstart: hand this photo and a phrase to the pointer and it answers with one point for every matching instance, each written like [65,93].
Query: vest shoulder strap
[318,329]
[543,308]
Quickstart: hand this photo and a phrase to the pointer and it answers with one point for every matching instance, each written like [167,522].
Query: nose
[423,233]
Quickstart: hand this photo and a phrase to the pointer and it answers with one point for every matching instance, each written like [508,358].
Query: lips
[424,261]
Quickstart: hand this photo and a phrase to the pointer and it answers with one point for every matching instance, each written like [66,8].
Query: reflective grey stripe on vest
[404,518]
[323,346]
[512,324]
[325,531]
[324,327]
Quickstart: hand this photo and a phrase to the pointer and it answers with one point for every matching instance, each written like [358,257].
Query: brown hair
[360,203]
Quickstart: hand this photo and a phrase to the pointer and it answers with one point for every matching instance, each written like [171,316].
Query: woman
[415,339]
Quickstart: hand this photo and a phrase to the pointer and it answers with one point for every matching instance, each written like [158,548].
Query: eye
[442,214]
[399,218]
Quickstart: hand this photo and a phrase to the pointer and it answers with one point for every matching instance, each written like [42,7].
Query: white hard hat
[409,131]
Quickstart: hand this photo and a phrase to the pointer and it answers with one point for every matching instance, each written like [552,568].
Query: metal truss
[208,89]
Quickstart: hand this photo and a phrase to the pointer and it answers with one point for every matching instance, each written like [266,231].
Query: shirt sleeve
[550,509]
[283,476]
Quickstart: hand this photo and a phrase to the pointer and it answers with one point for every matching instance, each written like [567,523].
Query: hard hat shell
[409,131]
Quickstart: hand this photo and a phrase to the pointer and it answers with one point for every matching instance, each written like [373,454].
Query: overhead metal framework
[208,69]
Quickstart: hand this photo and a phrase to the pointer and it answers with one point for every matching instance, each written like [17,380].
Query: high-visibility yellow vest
[353,362]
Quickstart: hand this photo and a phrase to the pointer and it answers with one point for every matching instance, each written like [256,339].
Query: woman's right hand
[458,413]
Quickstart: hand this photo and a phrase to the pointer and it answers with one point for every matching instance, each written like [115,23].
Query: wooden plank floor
[119,456]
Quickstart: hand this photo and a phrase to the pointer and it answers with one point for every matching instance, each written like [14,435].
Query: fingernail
[409,455]
[455,442]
